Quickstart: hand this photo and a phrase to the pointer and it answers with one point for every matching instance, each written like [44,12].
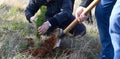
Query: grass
[14,29]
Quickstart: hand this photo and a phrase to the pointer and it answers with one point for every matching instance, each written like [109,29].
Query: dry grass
[14,29]
[17,3]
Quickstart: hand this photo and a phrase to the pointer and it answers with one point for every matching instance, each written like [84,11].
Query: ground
[14,29]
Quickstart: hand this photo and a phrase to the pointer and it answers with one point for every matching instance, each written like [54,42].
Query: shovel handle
[75,22]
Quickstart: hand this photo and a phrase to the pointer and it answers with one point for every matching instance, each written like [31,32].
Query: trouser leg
[115,29]
[102,13]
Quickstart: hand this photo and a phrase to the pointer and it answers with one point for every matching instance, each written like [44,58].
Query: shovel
[75,22]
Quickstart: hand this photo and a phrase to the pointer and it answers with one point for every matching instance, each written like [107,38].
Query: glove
[80,17]
[43,28]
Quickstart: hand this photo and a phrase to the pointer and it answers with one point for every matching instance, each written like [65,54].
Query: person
[102,12]
[114,29]
[58,15]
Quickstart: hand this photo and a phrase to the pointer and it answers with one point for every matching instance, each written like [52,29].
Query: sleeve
[63,15]
[32,8]
[85,3]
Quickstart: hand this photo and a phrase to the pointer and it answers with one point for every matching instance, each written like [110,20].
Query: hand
[80,17]
[33,18]
[43,28]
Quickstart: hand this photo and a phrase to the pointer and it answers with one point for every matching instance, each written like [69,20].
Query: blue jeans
[115,29]
[102,13]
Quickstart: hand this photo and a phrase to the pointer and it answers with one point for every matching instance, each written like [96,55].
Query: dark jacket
[58,11]
[85,3]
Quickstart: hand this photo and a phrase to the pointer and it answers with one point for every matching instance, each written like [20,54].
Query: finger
[82,18]
[79,20]
[39,28]
[78,15]
[42,30]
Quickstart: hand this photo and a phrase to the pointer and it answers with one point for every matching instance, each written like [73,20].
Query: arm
[63,15]
[32,8]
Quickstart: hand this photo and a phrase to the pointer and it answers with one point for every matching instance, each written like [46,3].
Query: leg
[102,13]
[115,29]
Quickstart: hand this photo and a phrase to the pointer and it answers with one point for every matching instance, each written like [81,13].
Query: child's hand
[80,17]
[43,28]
